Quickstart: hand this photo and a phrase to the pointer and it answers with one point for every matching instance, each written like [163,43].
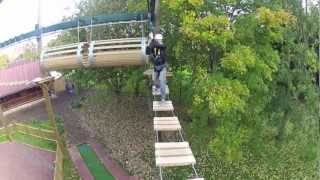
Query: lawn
[93,163]
[41,124]
[3,138]
[34,141]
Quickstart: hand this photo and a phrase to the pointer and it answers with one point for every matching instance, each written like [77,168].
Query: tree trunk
[282,127]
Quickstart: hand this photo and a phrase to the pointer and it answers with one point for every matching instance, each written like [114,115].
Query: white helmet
[158,37]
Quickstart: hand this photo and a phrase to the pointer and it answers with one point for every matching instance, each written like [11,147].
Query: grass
[34,141]
[93,163]
[41,124]
[70,172]
[3,138]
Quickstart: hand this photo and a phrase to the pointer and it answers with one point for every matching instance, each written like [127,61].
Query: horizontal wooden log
[124,46]
[63,47]
[62,53]
[24,106]
[118,41]
[42,133]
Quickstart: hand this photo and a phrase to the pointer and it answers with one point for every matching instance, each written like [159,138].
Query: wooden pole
[45,90]
[4,123]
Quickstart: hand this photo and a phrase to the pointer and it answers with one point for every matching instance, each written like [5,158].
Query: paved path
[20,161]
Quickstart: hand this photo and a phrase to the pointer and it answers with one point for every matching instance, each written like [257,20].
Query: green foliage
[259,93]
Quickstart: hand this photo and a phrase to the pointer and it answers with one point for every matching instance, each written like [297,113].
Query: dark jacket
[158,53]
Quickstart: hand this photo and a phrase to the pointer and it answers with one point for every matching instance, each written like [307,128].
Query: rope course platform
[102,53]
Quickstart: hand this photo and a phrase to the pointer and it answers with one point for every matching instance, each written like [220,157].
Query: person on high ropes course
[157,52]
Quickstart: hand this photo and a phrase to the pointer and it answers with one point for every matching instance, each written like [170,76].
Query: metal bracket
[144,57]
[79,54]
[42,56]
[91,53]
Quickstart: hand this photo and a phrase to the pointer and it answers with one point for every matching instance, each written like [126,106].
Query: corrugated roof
[12,79]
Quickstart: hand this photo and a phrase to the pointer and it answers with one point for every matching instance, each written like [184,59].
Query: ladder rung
[166,124]
[162,106]
[173,152]
[165,127]
[172,145]
[175,161]
[174,118]
[161,103]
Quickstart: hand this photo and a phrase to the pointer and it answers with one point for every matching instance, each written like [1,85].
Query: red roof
[12,79]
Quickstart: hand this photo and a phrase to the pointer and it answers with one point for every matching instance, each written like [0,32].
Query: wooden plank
[63,58]
[160,103]
[42,133]
[58,170]
[57,48]
[173,152]
[175,161]
[62,53]
[126,52]
[24,106]
[162,109]
[174,118]
[167,127]
[171,145]
[117,47]
[118,41]
[166,124]
[163,122]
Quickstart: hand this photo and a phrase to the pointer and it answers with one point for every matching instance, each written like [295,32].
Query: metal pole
[306,7]
[157,16]
[38,27]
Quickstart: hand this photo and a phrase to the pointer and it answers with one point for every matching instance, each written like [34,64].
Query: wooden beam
[45,84]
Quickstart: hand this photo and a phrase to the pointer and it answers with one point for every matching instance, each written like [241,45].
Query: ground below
[122,124]
[19,161]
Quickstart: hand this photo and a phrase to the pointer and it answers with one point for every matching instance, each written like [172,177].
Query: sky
[20,16]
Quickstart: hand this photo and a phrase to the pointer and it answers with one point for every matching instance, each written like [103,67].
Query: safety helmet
[158,37]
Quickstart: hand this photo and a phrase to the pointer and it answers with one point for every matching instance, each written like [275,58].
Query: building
[15,86]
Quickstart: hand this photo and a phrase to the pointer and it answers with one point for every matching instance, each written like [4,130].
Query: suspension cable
[78,30]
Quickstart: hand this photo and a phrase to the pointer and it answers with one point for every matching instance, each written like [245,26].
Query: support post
[45,84]
[38,28]
[157,16]
[4,124]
